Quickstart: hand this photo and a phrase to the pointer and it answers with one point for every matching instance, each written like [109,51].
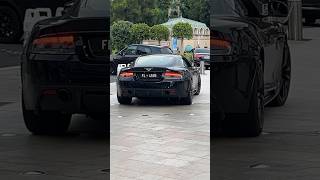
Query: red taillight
[220,43]
[64,43]
[67,40]
[126,74]
[198,56]
[172,75]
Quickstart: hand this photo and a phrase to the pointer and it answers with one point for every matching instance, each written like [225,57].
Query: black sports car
[64,68]
[159,76]
[132,52]
[251,66]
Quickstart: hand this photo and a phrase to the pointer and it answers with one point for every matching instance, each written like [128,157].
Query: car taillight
[54,44]
[126,74]
[198,56]
[172,75]
[220,46]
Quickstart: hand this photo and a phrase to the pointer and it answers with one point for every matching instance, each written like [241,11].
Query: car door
[126,56]
[194,73]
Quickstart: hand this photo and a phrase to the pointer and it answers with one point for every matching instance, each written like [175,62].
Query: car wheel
[46,122]
[282,96]
[199,86]
[187,100]
[255,119]
[11,29]
[251,123]
[113,69]
[124,100]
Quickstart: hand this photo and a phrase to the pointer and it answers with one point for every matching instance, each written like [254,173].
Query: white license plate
[149,75]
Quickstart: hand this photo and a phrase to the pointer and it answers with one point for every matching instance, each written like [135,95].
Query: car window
[156,50]
[166,51]
[143,50]
[201,50]
[131,50]
[159,61]
[90,8]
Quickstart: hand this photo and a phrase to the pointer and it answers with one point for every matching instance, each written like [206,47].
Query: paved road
[155,140]
[289,148]
[82,154]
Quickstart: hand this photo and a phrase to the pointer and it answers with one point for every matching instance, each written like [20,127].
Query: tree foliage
[150,12]
[140,32]
[196,10]
[121,34]
[182,31]
[159,33]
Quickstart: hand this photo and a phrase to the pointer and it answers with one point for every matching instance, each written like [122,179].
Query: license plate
[149,75]
[206,57]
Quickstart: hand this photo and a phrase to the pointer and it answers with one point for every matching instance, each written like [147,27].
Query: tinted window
[131,50]
[91,8]
[229,8]
[166,51]
[201,50]
[159,61]
[156,50]
[143,50]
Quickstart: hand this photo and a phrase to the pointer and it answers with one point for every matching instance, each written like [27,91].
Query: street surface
[289,148]
[82,154]
[154,140]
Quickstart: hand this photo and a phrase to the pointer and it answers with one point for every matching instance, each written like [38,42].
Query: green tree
[121,34]
[182,31]
[140,32]
[196,10]
[139,11]
[159,33]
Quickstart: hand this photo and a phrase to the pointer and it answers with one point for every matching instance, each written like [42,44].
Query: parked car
[159,76]
[12,14]
[132,52]
[251,66]
[64,68]
[202,54]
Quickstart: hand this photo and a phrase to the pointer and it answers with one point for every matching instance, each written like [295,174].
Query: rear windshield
[202,50]
[166,51]
[159,61]
[91,8]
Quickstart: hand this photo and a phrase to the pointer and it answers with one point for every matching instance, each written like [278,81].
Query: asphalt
[289,148]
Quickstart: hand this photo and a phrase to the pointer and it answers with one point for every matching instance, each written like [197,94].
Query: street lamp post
[295,20]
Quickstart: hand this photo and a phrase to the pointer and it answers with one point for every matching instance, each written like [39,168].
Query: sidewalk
[154,142]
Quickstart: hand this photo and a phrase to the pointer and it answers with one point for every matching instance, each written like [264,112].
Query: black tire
[113,69]
[199,86]
[255,118]
[10,25]
[46,122]
[124,100]
[251,123]
[186,100]
[282,96]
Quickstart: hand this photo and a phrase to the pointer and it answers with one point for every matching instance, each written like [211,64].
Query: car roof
[163,55]
[148,45]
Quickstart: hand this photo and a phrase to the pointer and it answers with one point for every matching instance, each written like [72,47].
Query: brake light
[220,43]
[198,56]
[172,75]
[54,44]
[126,74]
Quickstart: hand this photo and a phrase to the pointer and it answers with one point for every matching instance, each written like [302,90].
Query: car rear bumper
[71,99]
[153,89]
